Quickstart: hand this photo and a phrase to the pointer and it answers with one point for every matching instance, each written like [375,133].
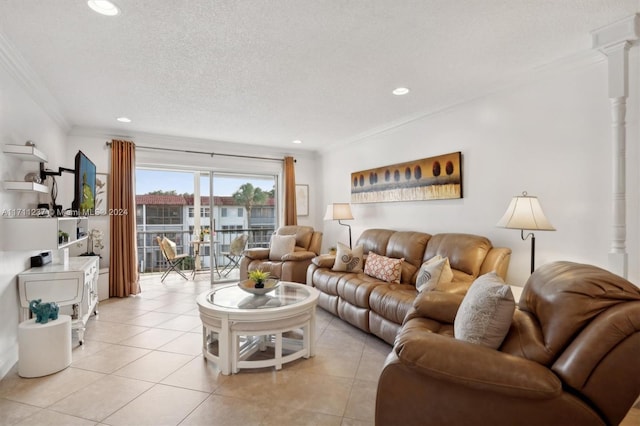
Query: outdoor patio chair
[236,248]
[174,260]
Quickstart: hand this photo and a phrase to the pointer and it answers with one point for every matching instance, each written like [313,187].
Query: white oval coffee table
[236,325]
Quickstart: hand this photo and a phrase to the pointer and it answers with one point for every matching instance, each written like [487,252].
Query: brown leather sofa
[379,307]
[292,266]
[571,357]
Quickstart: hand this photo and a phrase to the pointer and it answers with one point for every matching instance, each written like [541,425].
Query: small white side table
[44,348]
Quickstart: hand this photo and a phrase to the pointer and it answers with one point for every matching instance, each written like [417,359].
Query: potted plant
[63,237]
[258,277]
[332,250]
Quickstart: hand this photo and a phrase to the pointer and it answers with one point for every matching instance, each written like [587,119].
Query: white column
[614,41]
[617,57]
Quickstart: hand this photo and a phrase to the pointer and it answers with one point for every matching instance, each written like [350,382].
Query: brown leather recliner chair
[571,357]
[292,266]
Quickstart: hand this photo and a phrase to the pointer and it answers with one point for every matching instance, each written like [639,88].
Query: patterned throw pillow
[433,273]
[348,260]
[486,312]
[383,268]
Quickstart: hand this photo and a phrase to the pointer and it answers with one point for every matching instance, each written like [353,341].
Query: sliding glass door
[212,217]
[245,216]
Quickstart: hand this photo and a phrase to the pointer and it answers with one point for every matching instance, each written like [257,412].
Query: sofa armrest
[324,260]
[475,366]
[438,305]
[259,253]
[298,255]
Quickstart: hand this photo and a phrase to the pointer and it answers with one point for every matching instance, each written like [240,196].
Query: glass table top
[234,297]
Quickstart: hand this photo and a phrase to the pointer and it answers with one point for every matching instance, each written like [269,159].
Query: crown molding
[624,30]
[580,60]
[20,70]
[173,141]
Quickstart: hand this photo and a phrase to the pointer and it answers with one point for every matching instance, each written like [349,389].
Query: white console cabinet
[73,286]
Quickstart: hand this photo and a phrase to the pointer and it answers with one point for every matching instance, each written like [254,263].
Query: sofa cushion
[465,252]
[348,260]
[410,246]
[302,235]
[356,288]
[486,312]
[392,301]
[433,273]
[281,245]
[383,268]
[375,240]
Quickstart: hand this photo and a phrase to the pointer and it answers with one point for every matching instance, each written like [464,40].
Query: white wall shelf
[25,152]
[41,233]
[25,186]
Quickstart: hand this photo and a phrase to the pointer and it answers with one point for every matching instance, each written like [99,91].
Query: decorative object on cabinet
[94,242]
[340,211]
[525,212]
[74,287]
[44,311]
[433,178]
[302,200]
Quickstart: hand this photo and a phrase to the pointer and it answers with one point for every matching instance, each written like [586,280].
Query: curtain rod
[206,153]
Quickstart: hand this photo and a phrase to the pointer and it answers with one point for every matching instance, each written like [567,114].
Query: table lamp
[525,212]
[339,212]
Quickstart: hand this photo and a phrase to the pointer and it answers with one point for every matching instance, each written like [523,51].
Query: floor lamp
[525,213]
[339,212]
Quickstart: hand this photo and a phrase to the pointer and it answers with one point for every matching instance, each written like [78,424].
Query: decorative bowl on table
[250,286]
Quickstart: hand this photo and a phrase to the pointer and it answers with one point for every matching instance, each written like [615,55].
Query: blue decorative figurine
[44,311]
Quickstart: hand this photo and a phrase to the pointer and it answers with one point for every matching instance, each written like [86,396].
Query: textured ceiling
[271,71]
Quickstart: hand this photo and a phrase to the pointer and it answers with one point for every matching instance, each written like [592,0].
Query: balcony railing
[151,260]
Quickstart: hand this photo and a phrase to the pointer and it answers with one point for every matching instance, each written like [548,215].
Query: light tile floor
[141,364]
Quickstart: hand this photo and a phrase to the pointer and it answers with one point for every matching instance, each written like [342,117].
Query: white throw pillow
[486,312]
[348,260]
[281,245]
[433,272]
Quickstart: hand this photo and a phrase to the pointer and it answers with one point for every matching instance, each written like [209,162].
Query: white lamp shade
[525,212]
[338,211]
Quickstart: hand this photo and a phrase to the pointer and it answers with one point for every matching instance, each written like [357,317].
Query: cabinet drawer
[64,290]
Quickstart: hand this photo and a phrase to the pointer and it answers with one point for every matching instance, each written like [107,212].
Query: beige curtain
[123,254]
[290,211]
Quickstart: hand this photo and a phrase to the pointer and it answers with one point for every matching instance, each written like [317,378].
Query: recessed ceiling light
[104,7]
[297,141]
[399,91]
[124,119]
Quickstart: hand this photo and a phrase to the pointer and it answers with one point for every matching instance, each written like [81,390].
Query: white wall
[549,137]
[21,119]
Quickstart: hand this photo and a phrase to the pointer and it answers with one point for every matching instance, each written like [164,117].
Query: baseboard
[9,360]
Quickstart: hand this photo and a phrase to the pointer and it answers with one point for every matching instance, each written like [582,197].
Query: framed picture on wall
[102,194]
[302,200]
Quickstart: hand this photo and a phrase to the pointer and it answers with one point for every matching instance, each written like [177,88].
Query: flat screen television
[84,201]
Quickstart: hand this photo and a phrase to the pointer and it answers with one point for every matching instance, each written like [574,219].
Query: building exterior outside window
[173,217]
